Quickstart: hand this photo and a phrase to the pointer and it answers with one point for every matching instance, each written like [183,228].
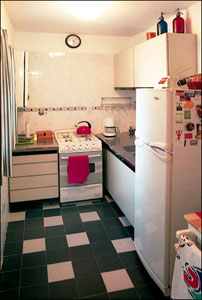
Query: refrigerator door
[153,116]
[152,211]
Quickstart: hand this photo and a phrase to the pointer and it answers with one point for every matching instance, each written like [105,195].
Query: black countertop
[41,146]
[122,146]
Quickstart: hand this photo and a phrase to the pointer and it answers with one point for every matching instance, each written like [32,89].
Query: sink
[129,148]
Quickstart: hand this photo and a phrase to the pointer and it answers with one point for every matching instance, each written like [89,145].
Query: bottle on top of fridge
[178,22]
[162,26]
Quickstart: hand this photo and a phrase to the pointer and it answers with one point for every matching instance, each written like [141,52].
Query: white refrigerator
[167,174]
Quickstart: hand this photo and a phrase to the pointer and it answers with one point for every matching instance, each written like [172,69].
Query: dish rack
[117,103]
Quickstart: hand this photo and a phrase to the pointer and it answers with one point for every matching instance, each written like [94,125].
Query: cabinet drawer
[18,183]
[33,194]
[35,169]
[34,158]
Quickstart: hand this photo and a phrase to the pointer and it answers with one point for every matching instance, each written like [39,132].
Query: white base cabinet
[34,177]
[119,180]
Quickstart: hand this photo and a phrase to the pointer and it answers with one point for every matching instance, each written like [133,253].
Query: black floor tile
[125,294]
[80,252]
[35,292]
[111,223]
[103,248]
[90,285]
[52,212]
[9,295]
[151,292]
[130,259]
[116,209]
[13,248]
[33,214]
[34,276]
[97,236]
[74,228]
[108,263]
[54,231]
[18,225]
[98,297]
[16,236]
[9,280]
[34,259]
[85,266]
[56,242]
[106,213]
[69,210]
[85,208]
[34,205]
[58,255]
[36,233]
[11,263]
[117,233]
[93,226]
[17,207]
[139,275]
[130,230]
[72,219]
[34,223]
[65,289]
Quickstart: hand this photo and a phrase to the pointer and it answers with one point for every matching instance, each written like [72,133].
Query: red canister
[178,23]
[150,35]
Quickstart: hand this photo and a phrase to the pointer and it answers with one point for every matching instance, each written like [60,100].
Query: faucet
[131,130]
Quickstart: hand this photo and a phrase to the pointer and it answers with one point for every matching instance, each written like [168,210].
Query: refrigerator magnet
[199,131]
[189,104]
[179,93]
[179,118]
[193,142]
[187,136]
[178,134]
[179,107]
[187,114]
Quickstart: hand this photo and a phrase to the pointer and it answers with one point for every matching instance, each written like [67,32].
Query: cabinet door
[124,69]
[150,61]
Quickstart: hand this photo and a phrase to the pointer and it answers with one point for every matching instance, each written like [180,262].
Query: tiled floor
[81,251]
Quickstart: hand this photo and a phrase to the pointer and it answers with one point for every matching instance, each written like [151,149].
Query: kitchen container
[178,23]
[83,130]
[150,35]
[162,26]
[194,83]
[44,134]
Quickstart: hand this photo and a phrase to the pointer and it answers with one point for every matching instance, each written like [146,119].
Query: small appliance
[83,130]
[109,128]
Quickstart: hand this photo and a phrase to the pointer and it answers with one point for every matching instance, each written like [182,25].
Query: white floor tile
[89,216]
[34,245]
[60,271]
[108,199]
[124,221]
[123,245]
[77,239]
[17,216]
[53,221]
[117,280]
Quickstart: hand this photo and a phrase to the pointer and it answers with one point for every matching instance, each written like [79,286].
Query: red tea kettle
[83,130]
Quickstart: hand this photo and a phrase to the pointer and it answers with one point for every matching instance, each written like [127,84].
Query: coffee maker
[109,128]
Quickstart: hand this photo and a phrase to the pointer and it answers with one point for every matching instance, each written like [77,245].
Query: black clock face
[73,41]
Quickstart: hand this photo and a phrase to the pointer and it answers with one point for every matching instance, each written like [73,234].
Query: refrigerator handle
[155,151]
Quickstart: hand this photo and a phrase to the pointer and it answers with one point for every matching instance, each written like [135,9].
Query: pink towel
[78,169]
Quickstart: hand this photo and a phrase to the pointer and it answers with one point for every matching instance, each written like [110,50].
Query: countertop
[116,145]
[39,146]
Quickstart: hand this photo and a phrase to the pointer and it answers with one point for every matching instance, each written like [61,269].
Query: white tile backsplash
[72,81]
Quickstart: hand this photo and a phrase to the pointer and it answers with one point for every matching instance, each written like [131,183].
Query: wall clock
[73,41]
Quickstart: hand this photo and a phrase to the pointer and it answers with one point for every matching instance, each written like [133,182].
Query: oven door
[95,165]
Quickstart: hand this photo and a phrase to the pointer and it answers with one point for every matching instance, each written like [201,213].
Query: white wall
[5,24]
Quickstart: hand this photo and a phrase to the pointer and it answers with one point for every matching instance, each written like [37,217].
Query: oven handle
[90,156]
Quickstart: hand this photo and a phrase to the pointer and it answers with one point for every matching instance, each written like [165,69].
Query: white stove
[70,142]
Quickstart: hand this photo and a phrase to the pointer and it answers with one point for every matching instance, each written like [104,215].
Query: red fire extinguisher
[178,23]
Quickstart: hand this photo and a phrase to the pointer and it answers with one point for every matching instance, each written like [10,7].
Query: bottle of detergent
[178,23]
[162,26]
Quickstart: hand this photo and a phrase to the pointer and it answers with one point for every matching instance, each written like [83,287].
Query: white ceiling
[123,18]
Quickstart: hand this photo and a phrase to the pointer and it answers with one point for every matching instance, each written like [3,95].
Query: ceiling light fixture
[87,9]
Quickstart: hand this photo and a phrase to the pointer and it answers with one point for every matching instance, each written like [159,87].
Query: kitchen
[88,70]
